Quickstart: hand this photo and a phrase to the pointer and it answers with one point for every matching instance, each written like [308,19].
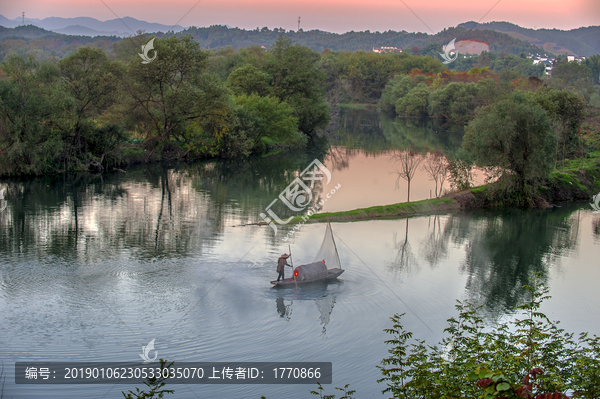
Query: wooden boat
[316,271]
[332,274]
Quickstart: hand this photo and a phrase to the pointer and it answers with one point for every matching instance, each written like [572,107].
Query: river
[92,268]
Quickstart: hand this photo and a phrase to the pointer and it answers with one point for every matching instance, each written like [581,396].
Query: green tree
[515,67]
[250,80]
[514,134]
[414,103]
[176,100]
[454,101]
[396,89]
[593,63]
[567,111]
[92,81]
[571,74]
[31,101]
[298,82]
[432,49]
[267,122]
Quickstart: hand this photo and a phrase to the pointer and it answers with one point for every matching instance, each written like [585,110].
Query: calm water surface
[93,268]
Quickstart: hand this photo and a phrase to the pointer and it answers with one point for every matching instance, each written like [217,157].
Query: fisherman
[281,264]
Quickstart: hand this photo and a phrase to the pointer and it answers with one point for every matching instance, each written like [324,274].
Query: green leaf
[503,386]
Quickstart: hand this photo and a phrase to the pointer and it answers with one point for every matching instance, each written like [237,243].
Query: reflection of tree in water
[86,215]
[596,228]
[435,246]
[422,135]
[503,250]
[160,210]
[374,132]
[339,157]
[360,129]
[405,260]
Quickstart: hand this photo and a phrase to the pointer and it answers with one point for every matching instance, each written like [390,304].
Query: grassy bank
[429,206]
[576,180]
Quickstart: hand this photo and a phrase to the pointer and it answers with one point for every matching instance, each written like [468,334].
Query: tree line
[518,130]
[219,36]
[30,39]
[100,110]
[90,110]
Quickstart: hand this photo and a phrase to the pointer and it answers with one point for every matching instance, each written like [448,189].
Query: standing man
[281,264]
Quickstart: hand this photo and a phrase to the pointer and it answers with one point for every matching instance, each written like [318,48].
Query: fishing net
[328,251]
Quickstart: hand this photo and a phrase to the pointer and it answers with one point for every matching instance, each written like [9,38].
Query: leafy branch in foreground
[347,392]
[154,383]
[527,357]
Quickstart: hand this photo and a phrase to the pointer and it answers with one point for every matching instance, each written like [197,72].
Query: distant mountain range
[87,26]
[582,41]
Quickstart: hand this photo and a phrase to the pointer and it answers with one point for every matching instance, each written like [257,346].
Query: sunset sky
[329,15]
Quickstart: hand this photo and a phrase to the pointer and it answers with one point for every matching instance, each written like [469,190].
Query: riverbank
[403,209]
[577,180]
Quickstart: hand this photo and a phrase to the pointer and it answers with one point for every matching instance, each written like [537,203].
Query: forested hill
[221,36]
[582,41]
[24,39]
[30,39]
[32,32]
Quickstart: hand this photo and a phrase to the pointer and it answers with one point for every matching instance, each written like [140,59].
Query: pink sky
[329,15]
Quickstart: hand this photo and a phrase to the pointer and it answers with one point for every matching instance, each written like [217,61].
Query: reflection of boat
[318,270]
[324,303]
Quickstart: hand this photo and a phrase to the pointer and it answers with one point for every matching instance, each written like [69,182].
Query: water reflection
[434,248]
[421,135]
[405,261]
[502,249]
[322,293]
[284,310]
[374,132]
[164,211]
[365,143]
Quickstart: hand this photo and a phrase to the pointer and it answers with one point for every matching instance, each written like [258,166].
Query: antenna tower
[298,23]
[23,23]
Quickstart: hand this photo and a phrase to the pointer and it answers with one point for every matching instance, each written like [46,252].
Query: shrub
[528,357]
